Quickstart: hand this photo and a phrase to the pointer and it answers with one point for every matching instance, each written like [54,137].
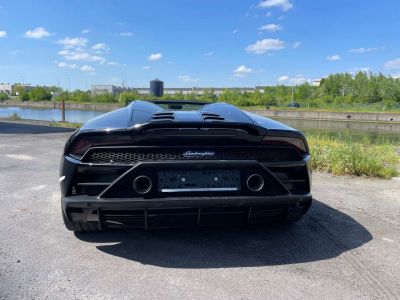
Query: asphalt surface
[348,245]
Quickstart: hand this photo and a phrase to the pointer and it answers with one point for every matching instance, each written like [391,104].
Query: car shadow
[16,128]
[322,234]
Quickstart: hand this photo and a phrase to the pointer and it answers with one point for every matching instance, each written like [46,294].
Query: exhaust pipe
[142,184]
[255,182]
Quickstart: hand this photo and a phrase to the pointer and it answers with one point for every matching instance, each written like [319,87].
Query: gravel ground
[347,246]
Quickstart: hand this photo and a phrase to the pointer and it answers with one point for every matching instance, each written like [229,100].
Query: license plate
[199,181]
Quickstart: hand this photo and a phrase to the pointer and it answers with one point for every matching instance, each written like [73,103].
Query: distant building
[316,82]
[108,89]
[157,88]
[10,88]
[6,88]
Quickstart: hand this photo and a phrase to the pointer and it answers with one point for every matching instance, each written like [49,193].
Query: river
[327,127]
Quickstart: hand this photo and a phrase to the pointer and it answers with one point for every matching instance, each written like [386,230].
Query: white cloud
[395,76]
[154,56]
[126,33]
[63,52]
[100,48]
[265,45]
[3,34]
[283,78]
[187,78]
[209,53]
[270,27]
[37,33]
[88,69]
[69,66]
[335,57]
[69,43]
[296,45]
[81,56]
[116,64]
[242,71]
[85,31]
[285,5]
[299,79]
[145,68]
[234,31]
[393,64]
[363,50]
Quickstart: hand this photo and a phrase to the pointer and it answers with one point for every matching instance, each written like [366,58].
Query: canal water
[374,131]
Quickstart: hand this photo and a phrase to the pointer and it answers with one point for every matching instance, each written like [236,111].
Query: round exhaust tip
[255,182]
[142,184]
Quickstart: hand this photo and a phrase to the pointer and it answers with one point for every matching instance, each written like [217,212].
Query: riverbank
[378,117]
[57,105]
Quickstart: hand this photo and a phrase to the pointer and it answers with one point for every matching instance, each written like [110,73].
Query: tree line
[341,89]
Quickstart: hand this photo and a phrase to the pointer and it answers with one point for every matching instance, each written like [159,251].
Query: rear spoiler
[153,126]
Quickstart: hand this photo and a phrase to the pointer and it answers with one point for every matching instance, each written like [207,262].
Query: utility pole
[63,100]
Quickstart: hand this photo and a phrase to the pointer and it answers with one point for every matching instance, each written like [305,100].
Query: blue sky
[195,43]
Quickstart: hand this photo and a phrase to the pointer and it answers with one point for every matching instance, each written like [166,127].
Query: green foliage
[104,98]
[3,96]
[39,94]
[23,96]
[127,97]
[79,96]
[18,89]
[14,116]
[359,158]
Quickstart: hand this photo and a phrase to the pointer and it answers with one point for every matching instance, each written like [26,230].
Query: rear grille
[131,156]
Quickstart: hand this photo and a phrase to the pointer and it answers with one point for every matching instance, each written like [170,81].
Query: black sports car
[171,163]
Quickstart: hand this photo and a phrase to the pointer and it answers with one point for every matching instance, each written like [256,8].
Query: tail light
[84,143]
[298,143]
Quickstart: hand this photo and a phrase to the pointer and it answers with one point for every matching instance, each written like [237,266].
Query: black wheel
[80,226]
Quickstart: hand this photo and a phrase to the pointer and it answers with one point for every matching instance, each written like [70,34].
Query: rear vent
[164,116]
[212,117]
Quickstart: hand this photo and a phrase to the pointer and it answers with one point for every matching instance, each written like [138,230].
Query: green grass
[14,116]
[359,158]
[66,124]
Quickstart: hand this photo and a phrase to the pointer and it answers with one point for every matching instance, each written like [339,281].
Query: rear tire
[80,226]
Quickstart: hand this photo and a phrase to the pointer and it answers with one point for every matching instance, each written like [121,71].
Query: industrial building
[108,89]
[111,89]
[9,88]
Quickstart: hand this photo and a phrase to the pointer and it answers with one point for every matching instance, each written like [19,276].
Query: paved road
[347,247]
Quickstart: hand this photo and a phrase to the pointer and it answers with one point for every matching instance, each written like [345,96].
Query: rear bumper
[177,211]
[287,192]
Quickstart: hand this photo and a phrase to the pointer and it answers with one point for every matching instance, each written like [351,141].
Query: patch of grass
[14,116]
[66,124]
[359,158]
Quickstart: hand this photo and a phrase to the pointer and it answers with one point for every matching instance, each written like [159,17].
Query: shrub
[3,96]
[39,94]
[127,97]
[355,158]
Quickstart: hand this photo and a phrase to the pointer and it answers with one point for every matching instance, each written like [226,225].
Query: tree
[3,96]
[127,97]
[39,94]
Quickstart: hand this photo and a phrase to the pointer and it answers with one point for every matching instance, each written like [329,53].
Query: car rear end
[164,174]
